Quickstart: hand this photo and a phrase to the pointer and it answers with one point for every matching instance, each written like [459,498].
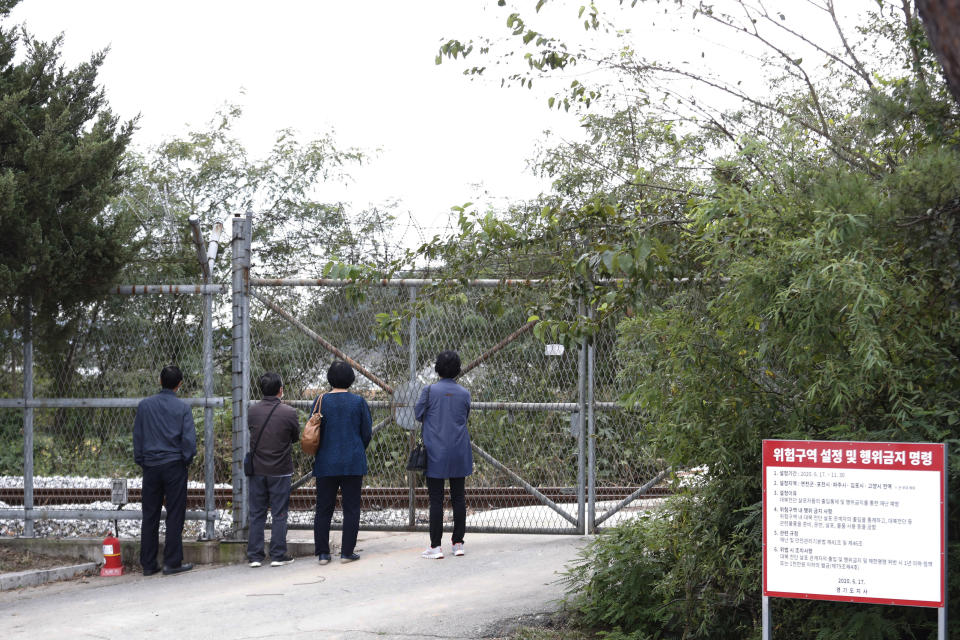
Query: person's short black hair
[270,383]
[448,364]
[340,375]
[170,376]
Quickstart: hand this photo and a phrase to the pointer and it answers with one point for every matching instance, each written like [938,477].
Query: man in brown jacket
[274,428]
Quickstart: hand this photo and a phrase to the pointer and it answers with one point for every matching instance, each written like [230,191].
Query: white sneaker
[458,549]
[255,563]
[433,553]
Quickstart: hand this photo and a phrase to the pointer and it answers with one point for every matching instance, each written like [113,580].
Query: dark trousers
[349,487]
[275,492]
[459,500]
[165,481]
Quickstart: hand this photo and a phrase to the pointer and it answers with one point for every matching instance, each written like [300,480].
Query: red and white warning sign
[854,521]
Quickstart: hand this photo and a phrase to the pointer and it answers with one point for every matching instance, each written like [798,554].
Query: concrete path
[390,593]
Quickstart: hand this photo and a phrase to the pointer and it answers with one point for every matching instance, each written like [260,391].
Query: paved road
[390,593]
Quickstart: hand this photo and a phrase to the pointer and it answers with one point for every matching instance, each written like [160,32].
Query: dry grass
[550,626]
[13,559]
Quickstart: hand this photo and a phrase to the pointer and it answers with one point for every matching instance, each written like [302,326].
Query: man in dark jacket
[164,444]
[274,428]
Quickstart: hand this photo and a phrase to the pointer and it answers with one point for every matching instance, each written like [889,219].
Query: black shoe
[186,566]
[323,558]
[279,562]
[150,572]
[348,558]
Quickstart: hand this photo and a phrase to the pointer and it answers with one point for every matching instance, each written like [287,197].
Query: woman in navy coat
[341,462]
[443,408]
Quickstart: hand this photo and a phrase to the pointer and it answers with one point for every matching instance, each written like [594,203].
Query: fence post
[28,419]
[240,390]
[245,427]
[591,433]
[208,427]
[581,429]
[411,434]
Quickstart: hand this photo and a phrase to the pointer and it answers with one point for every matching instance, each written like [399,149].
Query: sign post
[855,522]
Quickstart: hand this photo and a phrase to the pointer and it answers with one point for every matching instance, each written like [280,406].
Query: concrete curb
[212,552]
[207,552]
[34,577]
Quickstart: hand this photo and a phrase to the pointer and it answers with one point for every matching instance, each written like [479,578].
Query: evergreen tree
[60,158]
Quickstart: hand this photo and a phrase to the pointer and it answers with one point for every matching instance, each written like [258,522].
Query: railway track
[305,498]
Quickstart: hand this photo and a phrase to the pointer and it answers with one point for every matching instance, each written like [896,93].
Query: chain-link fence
[526,445]
[553,452]
[77,402]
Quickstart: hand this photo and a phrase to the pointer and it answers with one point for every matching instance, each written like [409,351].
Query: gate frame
[586,521]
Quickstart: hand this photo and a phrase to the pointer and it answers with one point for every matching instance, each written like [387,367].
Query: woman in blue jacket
[443,408]
[341,462]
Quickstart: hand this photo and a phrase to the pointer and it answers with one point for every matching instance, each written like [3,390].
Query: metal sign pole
[942,611]
[764,600]
[765,617]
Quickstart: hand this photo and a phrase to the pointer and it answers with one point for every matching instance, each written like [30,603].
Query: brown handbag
[312,434]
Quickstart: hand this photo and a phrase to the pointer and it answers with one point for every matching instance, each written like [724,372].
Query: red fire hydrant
[112,564]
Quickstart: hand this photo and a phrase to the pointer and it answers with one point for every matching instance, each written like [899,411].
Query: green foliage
[11,442]
[666,576]
[115,346]
[798,280]
[828,310]
[558,630]
[209,174]
[596,250]
[59,166]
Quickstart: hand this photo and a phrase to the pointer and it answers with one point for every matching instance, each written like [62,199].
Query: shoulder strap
[264,427]
[317,404]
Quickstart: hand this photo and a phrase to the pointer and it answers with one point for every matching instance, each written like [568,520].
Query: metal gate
[554,452]
[535,423]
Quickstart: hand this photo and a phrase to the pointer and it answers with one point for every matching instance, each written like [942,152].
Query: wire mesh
[533,442]
[114,349]
[524,418]
[623,460]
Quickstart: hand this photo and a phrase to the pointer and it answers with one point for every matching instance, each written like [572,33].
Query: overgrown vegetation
[779,263]
[60,163]
[801,280]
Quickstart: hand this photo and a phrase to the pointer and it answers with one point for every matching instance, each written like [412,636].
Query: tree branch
[858,67]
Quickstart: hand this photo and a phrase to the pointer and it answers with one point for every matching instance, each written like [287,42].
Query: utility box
[118,491]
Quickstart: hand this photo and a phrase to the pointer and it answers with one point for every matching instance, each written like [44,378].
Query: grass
[551,626]
[537,633]
[13,560]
